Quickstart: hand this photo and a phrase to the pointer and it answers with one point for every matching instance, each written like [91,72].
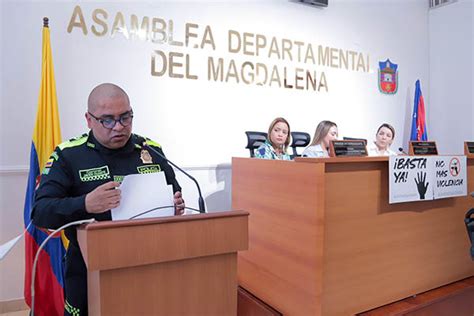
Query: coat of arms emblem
[388,77]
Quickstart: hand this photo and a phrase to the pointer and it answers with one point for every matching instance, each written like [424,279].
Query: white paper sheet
[142,193]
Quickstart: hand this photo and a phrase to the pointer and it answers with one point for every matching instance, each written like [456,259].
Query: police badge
[145,156]
[388,77]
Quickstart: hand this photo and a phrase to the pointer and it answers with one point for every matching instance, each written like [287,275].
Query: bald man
[82,177]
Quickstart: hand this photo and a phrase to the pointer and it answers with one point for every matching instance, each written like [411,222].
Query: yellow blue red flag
[49,283]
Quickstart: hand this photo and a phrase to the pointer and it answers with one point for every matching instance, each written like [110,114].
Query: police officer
[82,177]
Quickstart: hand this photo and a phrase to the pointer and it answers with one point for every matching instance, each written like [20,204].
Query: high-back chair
[254,140]
[299,139]
[469,221]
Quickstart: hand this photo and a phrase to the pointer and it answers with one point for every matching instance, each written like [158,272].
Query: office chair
[299,139]
[254,140]
[469,221]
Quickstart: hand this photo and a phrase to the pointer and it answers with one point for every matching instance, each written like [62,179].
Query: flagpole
[45,22]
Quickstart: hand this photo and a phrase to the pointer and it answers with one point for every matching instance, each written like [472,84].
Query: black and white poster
[450,176]
[421,178]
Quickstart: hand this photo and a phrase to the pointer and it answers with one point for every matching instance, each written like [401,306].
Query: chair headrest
[300,139]
[255,139]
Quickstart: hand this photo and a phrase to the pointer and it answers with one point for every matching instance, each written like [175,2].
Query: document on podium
[144,196]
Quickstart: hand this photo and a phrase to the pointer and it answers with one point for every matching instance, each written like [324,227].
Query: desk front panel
[375,252]
[323,239]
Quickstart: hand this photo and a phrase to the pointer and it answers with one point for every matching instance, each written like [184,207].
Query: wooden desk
[178,265]
[323,239]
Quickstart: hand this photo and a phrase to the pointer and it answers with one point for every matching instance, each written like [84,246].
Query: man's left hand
[178,203]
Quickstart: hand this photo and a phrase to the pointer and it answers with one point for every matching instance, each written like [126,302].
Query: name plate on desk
[469,149]
[423,148]
[348,148]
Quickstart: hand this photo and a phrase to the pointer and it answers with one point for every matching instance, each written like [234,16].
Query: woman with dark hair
[383,139]
[277,141]
[324,134]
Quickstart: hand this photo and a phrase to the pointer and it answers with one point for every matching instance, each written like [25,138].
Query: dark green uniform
[74,169]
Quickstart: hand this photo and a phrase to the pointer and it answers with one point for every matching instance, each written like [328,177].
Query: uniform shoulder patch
[49,163]
[74,142]
[148,141]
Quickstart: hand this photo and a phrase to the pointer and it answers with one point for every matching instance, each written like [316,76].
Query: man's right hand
[103,198]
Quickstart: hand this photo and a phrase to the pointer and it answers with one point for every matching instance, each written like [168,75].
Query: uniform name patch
[149,169]
[94,174]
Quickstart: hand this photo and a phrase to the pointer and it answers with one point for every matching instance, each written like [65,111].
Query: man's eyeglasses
[109,122]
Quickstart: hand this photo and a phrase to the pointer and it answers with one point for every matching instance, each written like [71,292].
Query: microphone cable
[33,272]
[159,208]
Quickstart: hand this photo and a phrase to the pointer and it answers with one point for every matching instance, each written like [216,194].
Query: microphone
[400,149]
[202,208]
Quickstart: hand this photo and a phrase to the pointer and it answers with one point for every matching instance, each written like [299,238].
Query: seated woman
[325,132]
[277,141]
[383,140]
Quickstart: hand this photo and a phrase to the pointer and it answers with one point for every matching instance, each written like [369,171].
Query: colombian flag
[49,283]
[418,124]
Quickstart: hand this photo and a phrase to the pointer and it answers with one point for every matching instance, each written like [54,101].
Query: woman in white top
[383,140]
[325,132]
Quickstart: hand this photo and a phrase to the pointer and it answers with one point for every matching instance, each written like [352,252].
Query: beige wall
[12,192]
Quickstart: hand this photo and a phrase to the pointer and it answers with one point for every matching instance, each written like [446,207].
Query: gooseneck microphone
[202,208]
[400,149]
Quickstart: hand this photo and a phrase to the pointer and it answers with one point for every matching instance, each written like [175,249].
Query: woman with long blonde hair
[326,131]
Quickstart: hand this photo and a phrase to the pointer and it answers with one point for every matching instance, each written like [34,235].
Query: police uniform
[74,169]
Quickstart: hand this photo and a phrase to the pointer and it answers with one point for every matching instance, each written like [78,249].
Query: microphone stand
[202,208]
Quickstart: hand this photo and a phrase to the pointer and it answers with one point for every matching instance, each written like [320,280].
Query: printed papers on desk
[141,193]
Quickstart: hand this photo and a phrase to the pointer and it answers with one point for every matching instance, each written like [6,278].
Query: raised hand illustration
[420,183]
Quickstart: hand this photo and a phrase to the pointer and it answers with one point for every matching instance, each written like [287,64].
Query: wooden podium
[181,265]
[323,239]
